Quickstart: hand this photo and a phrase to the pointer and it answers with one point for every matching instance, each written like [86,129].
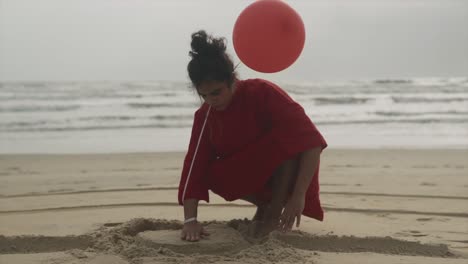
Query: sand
[386,206]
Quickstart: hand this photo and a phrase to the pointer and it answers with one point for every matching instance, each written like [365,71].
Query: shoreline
[333,148]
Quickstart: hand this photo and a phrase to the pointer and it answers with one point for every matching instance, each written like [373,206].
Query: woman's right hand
[193,231]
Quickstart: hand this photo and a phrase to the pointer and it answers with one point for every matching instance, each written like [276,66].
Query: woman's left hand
[292,211]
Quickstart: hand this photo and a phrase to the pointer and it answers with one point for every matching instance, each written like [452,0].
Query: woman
[249,141]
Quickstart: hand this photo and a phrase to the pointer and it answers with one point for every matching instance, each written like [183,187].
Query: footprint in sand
[387,215]
[427,184]
[412,233]
[416,233]
[174,168]
[424,219]
[60,190]
[112,224]
[424,167]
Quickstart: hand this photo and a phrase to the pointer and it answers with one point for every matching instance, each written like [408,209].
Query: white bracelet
[193,219]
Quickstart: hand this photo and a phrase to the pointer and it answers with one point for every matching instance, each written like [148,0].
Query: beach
[381,205]
[97,112]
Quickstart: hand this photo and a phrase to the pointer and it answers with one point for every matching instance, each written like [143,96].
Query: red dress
[242,145]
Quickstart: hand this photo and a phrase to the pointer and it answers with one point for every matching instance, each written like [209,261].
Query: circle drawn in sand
[222,239]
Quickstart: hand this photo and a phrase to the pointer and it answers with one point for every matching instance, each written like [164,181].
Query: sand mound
[152,241]
[28,244]
[351,244]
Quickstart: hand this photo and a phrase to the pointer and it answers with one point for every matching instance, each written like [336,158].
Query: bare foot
[257,221]
[253,228]
[268,223]
[260,213]
[265,228]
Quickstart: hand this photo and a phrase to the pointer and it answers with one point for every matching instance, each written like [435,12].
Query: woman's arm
[190,208]
[308,164]
[199,155]
[192,230]
[192,186]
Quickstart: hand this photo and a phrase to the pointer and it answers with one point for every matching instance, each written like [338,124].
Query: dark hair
[209,60]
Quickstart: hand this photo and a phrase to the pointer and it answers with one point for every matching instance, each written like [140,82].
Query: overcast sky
[149,39]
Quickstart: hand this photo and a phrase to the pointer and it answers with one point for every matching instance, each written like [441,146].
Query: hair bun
[206,46]
[209,60]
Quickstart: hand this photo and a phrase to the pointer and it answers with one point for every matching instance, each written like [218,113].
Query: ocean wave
[390,121]
[340,100]
[401,99]
[172,117]
[157,105]
[138,86]
[89,128]
[393,81]
[168,94]
[50,97]
[34,84]
[32,108]
[53,124]
[68,97]
[396,113]
[9,125]
[106,118]
[424,82]
[83,95]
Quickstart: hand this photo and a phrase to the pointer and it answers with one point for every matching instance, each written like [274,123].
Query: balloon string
[236,67]
[195,155]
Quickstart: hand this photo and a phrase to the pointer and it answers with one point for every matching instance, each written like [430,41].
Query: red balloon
[268,36]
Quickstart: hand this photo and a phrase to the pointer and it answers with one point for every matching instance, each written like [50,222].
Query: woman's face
[216,94]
